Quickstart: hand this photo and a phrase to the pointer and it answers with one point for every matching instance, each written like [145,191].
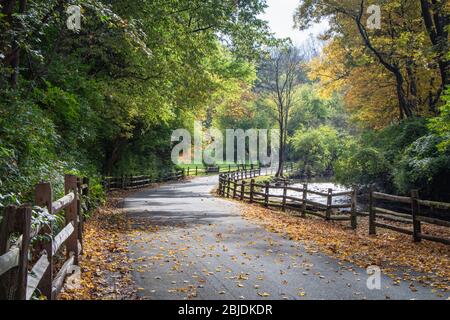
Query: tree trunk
[114,155]
[12,59]
[279,173]
[404,103]
[436,22]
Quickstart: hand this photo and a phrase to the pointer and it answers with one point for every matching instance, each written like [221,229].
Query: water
[321,187]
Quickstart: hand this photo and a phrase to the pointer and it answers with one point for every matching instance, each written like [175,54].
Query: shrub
[422,166]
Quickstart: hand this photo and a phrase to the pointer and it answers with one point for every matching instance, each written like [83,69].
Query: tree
[105,99]
[280,74]
[317,148]
[441,125]
[436,18]
[401,48]
[11,49]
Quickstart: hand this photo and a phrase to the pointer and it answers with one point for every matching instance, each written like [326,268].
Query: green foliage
[441,124]
[400,158]
[363,166]
[392,140]
[311,110]
[27,140]
[424,167]
[105,100]
[317,148]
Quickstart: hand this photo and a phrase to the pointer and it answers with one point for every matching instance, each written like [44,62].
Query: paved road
[193,245]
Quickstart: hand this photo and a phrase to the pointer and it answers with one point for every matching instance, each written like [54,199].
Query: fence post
[353,217]
[44,198]
[242,190]
[188,171]
[71,216]
[252,188]
[417,227]
[329,203]
[266,195]
[305,198]
[228,186]
[24,222]
[234,187]
[372,227]
[86,181]
[284,196]
[105,183]
[80,193]
[224,185]
[7,226]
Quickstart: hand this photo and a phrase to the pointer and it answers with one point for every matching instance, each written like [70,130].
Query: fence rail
[16,282]
[233,185]
[198,170]
[414,218]
[135,182]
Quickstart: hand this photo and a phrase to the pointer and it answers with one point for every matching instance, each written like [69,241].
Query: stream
[321,186]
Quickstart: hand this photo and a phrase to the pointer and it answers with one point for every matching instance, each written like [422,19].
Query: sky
[280,13]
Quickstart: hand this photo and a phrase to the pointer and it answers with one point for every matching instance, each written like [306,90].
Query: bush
[441,125]
[377,153]
[317,148]
[363,166]
[31,151]
[422,166]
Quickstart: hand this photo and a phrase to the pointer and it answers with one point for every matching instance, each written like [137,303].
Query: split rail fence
[135,182]
[195,171]
[233,185]
[414,217]
[30,262]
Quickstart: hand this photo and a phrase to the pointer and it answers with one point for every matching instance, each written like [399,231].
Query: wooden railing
[415,217]
[233,185]
[135,182]
[18,278]
[199,170]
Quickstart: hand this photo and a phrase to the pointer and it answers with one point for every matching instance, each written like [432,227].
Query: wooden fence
[195,171]
[415,217]
[135,182]
[199,170]
[19,278]
[233,185]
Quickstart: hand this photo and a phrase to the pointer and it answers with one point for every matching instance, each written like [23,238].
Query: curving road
[190,245]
